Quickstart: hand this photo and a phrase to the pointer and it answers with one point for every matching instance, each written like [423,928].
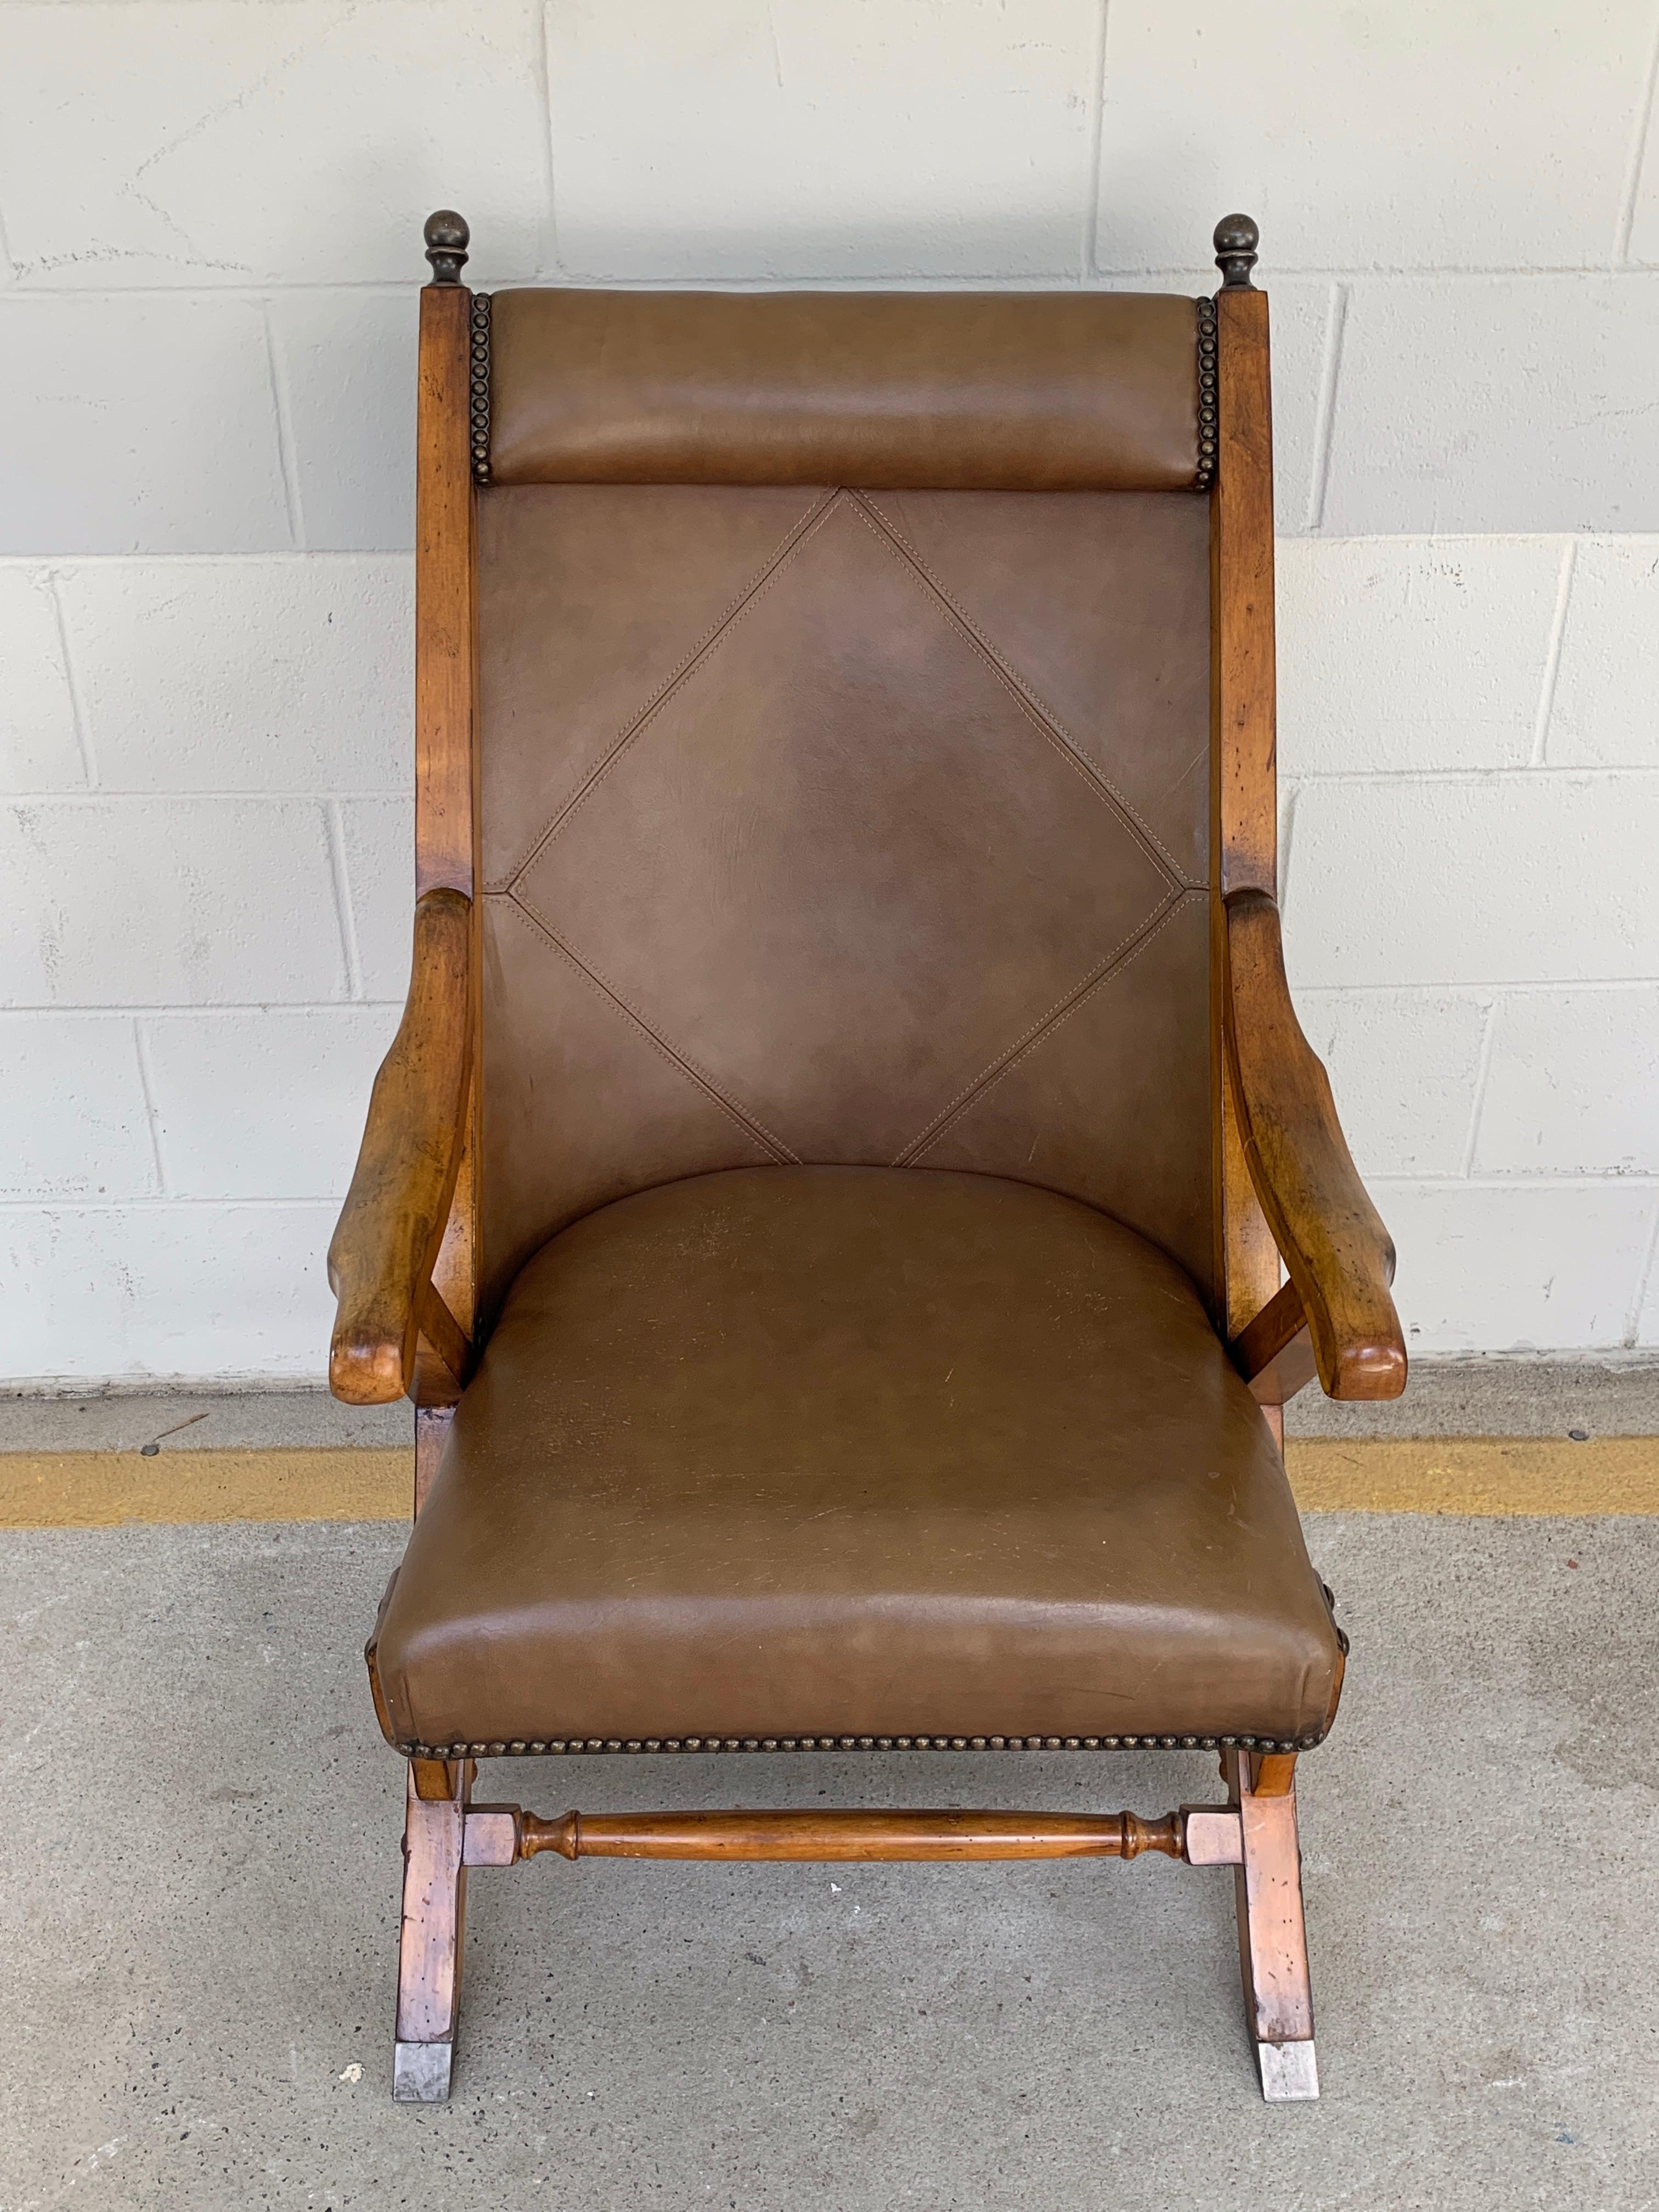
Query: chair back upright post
[446,722]
[1244,785]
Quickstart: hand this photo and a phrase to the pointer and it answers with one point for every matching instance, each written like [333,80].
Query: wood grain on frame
[445,717]
[1244,785]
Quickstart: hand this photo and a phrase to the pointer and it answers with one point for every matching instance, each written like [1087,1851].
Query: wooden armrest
[385,1244]
[1338,1255]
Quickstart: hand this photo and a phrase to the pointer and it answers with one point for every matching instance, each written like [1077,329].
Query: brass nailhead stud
[1203,475]
[480,386]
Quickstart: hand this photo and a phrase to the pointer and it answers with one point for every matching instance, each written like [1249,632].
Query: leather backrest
[843,825]
[943,391]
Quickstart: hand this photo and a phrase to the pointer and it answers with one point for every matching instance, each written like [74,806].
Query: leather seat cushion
[870,1451]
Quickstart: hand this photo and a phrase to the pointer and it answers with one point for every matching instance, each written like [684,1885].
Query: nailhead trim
[1207,407]
[574,1746]
[480,431]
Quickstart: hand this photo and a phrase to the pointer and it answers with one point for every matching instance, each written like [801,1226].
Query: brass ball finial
[1236,240]
[446,237]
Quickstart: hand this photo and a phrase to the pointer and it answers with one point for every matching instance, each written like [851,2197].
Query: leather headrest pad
[923,391]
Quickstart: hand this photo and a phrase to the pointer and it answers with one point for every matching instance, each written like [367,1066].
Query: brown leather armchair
[827,1195]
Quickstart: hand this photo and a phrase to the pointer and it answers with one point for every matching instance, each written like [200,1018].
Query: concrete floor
[1614,1397]
[198,1420]
[1617,1394]
[200,1919]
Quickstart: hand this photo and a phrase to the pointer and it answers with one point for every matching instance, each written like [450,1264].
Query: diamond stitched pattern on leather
[842,768]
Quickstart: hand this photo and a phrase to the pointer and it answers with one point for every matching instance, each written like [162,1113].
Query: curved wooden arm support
[1337,1253]
[1274,1352]
[386,1241]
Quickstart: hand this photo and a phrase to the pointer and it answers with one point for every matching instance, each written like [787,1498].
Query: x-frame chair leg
[433,1930]
[1273,1944]
[1255,1834]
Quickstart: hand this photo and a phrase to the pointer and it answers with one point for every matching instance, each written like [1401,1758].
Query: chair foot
[433,1928]
[1290,2072]
[421,2071]
[1272,1943]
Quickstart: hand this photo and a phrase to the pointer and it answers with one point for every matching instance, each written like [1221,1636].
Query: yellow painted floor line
[1503,1475]
[1511,1475]
[107,1489]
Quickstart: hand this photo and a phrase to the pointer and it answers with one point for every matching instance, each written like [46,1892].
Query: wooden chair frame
[403,1258]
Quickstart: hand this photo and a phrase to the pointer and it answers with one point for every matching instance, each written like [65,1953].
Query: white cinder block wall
[211,214]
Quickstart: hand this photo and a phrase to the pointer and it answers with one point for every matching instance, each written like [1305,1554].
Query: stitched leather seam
[705,1083]
[1177,886]
[683,668]
[692,669]
[1123,949]
[1052,727]
[1129,952]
